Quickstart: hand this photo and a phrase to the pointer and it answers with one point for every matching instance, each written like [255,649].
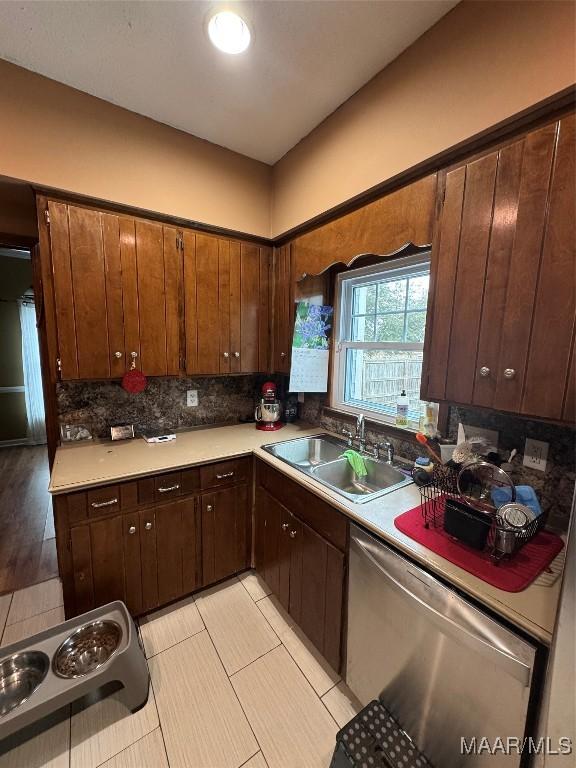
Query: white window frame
[345,284]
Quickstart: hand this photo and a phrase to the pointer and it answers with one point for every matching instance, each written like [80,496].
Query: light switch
[191,398]
[535,454]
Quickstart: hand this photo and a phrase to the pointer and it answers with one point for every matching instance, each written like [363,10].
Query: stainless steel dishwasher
[443,668]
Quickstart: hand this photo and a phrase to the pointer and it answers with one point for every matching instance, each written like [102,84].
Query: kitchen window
[380,325]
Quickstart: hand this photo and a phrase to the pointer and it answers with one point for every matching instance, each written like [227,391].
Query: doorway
[27,544]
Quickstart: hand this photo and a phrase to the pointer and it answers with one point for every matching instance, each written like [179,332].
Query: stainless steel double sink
[320,457]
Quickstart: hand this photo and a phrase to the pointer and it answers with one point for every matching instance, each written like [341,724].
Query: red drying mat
[512,575]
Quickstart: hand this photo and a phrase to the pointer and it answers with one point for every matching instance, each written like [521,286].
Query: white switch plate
[535,454]
[191,398]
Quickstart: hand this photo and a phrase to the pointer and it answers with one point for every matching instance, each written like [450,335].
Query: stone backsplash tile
[98,405]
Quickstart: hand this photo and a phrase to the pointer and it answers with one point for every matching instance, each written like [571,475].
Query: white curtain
[32,374]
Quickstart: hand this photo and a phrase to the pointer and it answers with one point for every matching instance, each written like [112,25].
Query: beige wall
[56,136]
[482,63]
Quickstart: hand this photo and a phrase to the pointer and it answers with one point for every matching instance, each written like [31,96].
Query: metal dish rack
[443,486]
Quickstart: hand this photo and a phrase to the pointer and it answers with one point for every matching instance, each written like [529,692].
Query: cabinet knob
[148,526]
[118,355]
[236,354]
[226,354]
[484,371]
[292,534]
[282,354]
[132,529]
[133,355]
[285,526]
[81,576]
[509,373]
[209,508]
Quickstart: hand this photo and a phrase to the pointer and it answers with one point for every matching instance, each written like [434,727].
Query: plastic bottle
[402,409]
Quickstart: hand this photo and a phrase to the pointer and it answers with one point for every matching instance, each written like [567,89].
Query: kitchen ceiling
[155,58]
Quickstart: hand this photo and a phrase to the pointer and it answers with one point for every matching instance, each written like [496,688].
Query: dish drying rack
[502,542]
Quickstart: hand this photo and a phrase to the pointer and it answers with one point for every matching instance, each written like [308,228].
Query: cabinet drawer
[224,473]
[103,501]
[320,516]
[167,486]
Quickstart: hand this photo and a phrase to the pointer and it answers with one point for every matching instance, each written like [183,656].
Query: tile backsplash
[555,486]
[98,405]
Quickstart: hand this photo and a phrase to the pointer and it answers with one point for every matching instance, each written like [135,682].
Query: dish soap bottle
[402,409]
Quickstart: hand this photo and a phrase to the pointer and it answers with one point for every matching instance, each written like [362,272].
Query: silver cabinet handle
[236,354]
[226,354]
[209,508]
[282,354]
[132,529]
[226,474]
[170,488]
[292,534]
[98,504]
[484,371]
[118,355]
[285,526]
[148,526]
[509,373]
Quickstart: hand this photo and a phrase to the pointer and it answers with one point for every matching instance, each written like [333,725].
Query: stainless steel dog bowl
[87,649]
[20,675]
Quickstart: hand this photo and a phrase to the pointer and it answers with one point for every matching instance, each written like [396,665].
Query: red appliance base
[269,426]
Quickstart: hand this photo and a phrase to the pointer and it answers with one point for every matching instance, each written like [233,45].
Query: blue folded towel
[525,494]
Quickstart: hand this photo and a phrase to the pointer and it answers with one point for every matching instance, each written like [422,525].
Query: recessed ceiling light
[229,32]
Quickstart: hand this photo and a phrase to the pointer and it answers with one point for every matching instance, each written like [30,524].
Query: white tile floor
[234,683]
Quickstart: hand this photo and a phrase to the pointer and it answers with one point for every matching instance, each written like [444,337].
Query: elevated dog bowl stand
[126,666]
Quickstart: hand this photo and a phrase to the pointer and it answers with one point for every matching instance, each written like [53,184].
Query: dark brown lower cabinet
[304,571]
[225,533]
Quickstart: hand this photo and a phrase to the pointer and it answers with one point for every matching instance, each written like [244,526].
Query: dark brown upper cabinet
[283,314]
[117,293]
[227,305]
[502,308]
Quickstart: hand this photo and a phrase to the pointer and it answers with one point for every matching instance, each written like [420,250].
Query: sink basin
[319,457]
[340,476]
[307,451]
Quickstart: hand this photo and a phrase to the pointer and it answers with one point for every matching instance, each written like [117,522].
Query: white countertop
[96,463]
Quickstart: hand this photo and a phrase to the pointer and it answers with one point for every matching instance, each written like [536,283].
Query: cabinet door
[203,283]
[283,310]
[159,266]
[98,563]
[227,305]
[81,556]
[502,300]
[85,248]
[148,559]
[316,590]
[107,560]
[132,563]
[272,544]
[225,533]
[174,523]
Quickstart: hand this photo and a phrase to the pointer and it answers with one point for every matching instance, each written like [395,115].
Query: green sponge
[356,461]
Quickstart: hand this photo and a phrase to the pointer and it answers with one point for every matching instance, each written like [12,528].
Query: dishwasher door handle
[513,666]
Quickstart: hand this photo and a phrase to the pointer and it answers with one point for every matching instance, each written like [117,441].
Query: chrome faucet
[360,427]
[389,450]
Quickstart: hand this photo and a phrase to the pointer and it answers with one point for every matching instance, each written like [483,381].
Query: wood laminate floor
[27,543]
[234,684]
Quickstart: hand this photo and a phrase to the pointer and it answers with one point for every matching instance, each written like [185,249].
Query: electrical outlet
[191,398]
[535,454]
